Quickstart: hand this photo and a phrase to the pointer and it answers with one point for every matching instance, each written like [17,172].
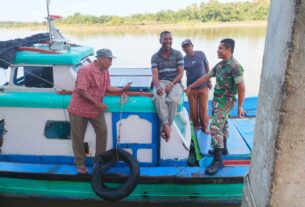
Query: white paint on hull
[177,146]
[25,134]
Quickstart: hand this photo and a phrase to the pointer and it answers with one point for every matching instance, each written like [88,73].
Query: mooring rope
[122,102]
[247,182]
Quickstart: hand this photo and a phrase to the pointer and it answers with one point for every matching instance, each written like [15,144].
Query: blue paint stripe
[69,160]
[173,163]
[39,159]
[182,172]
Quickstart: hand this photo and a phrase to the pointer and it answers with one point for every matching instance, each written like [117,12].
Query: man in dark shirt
[167,71]
[196,66]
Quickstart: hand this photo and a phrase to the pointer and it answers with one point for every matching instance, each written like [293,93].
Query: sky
[35,10]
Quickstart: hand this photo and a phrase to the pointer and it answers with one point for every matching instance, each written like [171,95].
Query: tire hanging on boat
[104,162]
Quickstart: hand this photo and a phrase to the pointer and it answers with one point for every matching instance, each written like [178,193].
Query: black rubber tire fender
[106,161]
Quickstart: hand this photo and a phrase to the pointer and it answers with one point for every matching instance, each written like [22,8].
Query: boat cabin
[33,106]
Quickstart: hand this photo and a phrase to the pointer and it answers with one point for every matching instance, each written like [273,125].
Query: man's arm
[237,73]
[111,90]
[241,97]
[170,86]
[197,83]
[155,77]
[207,70]
[81,88]
[82,93]
[179,76]
[201,80]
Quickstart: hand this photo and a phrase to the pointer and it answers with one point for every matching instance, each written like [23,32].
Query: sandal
[163,135]
[82,170]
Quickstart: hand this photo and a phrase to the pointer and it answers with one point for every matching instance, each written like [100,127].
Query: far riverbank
[146,27]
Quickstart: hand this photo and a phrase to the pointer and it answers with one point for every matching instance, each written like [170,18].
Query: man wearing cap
[196,66]
[167,71]
[87,105]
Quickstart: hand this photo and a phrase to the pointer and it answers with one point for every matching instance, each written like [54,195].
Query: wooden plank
[246,129]
[236,144]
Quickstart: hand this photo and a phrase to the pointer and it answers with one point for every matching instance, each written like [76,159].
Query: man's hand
[124,95]
[240,112]
[102,106]
[160,91]
[126,87]
[169,87]
[210,84]
[187,90]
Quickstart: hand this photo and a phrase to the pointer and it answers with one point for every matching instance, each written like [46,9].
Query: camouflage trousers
[219,125]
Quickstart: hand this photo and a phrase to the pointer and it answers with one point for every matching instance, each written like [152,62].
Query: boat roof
[67,57]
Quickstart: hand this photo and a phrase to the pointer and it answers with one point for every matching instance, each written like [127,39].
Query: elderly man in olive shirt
[167,71]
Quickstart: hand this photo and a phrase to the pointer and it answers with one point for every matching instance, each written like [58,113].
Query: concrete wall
[289,170]
[277,173]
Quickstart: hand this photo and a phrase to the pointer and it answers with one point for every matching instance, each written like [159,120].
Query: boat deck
[240,141]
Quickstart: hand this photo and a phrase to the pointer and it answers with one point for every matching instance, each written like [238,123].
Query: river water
[133,48]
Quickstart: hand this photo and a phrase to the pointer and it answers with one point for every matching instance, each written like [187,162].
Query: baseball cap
[104,53]
[187,41]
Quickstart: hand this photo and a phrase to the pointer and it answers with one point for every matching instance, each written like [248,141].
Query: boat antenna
[57,40]
[49,22]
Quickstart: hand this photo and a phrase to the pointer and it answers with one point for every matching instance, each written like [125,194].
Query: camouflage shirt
[228,74]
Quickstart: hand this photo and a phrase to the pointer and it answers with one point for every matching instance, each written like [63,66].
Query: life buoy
[104,162]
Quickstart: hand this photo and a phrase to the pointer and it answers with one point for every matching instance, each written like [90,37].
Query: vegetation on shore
[212,11]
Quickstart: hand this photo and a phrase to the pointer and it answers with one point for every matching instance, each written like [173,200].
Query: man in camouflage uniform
[229,82]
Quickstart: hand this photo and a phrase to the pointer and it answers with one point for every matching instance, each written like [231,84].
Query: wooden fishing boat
[36,157]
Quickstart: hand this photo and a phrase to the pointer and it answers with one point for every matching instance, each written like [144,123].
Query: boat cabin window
[57,129]
[34,76]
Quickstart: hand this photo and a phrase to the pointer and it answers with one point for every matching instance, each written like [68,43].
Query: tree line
[212,11]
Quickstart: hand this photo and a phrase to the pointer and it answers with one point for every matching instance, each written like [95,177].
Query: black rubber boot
[224,150]
[211,151]
[217,163]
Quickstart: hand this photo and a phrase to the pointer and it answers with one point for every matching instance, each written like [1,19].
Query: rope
[247,182]
[122,102]
[5,61]
[49,82]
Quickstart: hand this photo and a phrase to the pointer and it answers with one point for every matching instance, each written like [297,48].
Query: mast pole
[49,22]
